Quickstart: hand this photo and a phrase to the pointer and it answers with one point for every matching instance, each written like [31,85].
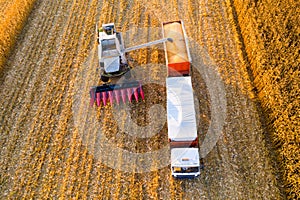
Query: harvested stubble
[12,19]
[270,32]
[36,122]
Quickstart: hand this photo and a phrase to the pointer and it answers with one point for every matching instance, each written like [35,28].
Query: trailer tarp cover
[180,109]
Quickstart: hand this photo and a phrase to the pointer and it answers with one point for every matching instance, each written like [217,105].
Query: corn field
[50,147]
[13,17]
[271,36]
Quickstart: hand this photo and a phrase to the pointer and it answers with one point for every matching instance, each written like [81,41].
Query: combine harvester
[182,126]
[113,63]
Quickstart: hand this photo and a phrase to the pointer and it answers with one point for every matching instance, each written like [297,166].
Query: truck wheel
[104,78]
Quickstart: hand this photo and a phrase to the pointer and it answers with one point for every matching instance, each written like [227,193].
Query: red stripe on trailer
[180,144]
[175,69]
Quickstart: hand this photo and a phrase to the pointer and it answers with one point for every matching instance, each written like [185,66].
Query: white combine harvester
[113,63]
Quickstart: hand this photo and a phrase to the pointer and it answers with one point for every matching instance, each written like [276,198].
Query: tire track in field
[87,78]
[87,169]
[217,47]
[222,48]
[84,117]
[233,70]
[250,118]
[60,130]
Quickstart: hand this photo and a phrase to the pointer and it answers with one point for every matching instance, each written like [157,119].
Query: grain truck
[182,126]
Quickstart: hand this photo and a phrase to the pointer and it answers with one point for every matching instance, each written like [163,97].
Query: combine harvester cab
[112,60]
[182,126]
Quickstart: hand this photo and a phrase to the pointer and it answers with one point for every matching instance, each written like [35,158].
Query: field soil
[54,145]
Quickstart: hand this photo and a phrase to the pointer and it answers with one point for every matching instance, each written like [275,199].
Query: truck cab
[185,162]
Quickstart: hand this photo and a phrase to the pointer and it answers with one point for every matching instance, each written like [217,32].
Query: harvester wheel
[104,78]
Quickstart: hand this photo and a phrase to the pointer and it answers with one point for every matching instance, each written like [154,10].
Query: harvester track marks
[211,40]
[59,99]
[119,179]
[234,70]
